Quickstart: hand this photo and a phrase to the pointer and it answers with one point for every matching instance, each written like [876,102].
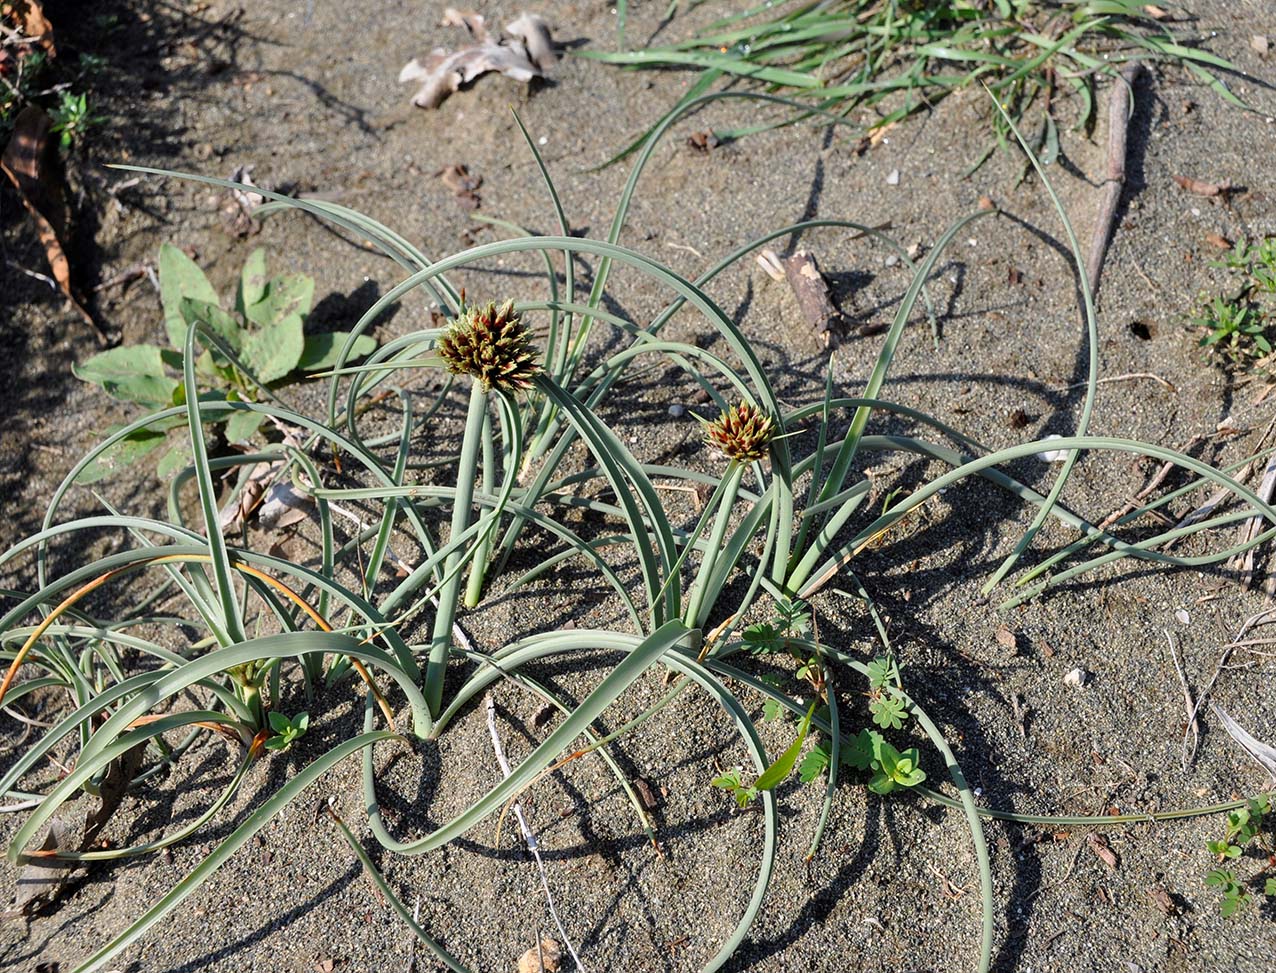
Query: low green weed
[286,729]
[72,118]
[29,75]
[257,345]
[1239,324]
[1243,828]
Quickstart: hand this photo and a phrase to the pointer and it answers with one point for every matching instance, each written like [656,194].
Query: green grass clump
[230,640]
[831,59]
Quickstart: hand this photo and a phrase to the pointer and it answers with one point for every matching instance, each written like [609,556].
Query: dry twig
[528,835]
[1120,108]
[1193,728]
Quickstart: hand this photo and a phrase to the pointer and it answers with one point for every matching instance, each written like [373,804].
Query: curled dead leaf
[702,141]
[237,213]
[533,31]
[283,507]
[463,184]
[529,54]
[1163,900]
[235,515]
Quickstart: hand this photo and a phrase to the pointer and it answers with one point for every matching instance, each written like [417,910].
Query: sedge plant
[777,525]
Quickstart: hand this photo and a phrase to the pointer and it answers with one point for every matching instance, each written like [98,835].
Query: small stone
[1076,678]
[1053,455]
[891,260]
[1183,617]
[893,178]
[677,410]
[1259,43]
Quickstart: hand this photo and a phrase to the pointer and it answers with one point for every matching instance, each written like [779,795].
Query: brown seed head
[742,433]
[492,345]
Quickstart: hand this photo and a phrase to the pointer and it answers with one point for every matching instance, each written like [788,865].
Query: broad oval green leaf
[252,281]
[322,351]
[133,373]
[274,351]
[284,297]
[180,277]
[222,323]
[241,426]
[121,455]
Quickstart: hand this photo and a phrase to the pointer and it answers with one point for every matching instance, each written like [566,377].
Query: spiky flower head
[493,346]
[742,433]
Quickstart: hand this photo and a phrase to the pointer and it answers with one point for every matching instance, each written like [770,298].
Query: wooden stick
[812,293]
[1120,108]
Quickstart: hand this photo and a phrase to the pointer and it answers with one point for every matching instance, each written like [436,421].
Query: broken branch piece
[812,293]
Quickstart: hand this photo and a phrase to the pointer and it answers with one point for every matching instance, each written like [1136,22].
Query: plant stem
[441,638]
[250,693]
[483,551]
[695,600]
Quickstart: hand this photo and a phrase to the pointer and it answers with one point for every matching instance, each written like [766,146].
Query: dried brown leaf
[1200,188]
[702,141]
[533,31]
[1163,900]
[26,163]
[646,794]
[1218,240]
[29,17]
[237,212]
[235,515]
[283,507]
[550,953]
[1099,845]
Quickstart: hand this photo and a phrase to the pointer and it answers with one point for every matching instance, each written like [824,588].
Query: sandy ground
[306,94]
